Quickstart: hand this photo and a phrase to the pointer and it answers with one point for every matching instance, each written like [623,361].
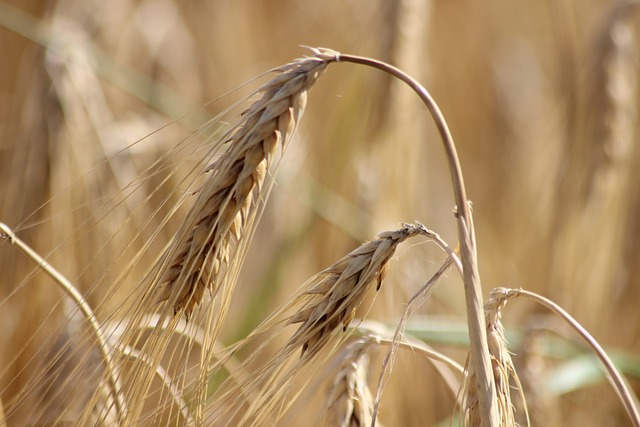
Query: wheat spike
[502,366]
[340,289]
[597,168]
[219,218]
[350,401]
[208,249]
[326,304]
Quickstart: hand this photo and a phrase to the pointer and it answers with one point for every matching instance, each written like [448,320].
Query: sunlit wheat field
[228,213]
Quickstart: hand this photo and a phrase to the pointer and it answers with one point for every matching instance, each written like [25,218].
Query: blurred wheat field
[108,113]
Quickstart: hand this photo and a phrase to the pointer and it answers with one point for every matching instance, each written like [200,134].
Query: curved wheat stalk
[624,392]
[85,309]
[479,354]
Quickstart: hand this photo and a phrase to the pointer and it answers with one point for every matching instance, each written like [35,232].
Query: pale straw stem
[81,303]
[617,381]
[473,292]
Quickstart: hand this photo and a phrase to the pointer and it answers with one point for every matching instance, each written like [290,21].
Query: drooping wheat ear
[502,365]
[350,400]
[220,215]
[325,303]
[340,288]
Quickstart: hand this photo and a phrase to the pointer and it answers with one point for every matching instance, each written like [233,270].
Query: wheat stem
[624,393]
[81,303]
[382,333]
[416,300]
[473,292]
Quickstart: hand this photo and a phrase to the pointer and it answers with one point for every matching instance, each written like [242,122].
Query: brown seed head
[340,289]
[350,401]
[202,250]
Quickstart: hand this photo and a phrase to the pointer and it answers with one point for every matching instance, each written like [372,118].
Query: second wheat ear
[341,288]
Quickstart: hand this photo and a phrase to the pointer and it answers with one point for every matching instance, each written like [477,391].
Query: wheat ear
[503,368]
[222,211]
[208,249]
[325,304]
[350,401]
[596,170]
[341,288]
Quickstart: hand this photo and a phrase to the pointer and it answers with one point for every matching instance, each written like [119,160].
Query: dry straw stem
[629,400]
[479,353]
[416,300]
[350,401]
[384,336]
[222,212]
[82,305]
